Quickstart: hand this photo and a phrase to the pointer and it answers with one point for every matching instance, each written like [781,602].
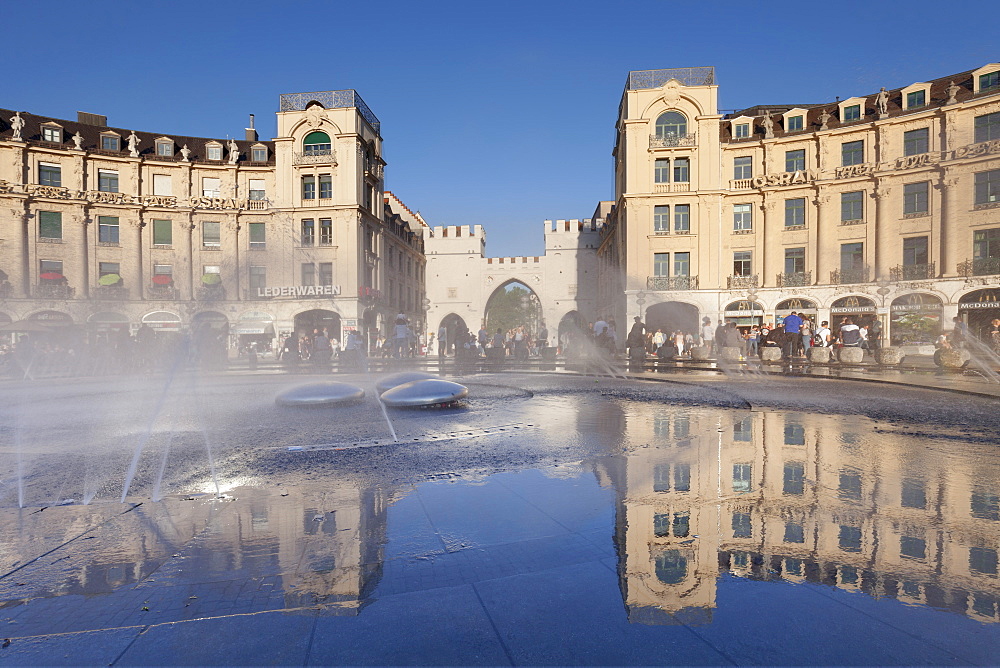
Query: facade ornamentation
[882,103]
[133,145]
[234,152]
[824,118]
[185,154]
[952,92]
[17,125]
[78,141]
[768,124]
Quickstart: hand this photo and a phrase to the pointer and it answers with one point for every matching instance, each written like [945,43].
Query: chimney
[84,118]
[251,133]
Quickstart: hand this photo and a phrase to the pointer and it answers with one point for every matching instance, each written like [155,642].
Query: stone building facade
[105,229]
[884,205]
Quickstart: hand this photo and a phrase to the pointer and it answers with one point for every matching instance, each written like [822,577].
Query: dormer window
[110,142]
[742,130]
[52,133]
[165,147]
[258,153]
[852,109]
[213,151]
[987,79]
[794,124]
[316,143]
[795,119]
[917,98]
[852,113]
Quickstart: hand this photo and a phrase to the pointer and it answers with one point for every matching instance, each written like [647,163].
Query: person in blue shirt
[793,323]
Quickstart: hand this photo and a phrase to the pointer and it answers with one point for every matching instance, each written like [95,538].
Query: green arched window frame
[671,124]
[316,143]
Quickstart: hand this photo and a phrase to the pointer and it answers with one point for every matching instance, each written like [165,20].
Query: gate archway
[672,317]
[308,322]
[513,304]
[453,324]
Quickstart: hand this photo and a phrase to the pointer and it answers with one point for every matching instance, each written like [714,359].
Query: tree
[512,307]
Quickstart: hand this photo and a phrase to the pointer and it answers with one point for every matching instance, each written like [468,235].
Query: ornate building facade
[885,205]
[108,229]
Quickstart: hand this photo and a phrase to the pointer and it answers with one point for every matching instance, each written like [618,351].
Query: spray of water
[983,358]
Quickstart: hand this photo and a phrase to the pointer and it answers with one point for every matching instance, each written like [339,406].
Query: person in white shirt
[823,335]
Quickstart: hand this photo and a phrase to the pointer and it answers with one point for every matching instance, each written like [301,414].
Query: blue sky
[499,114]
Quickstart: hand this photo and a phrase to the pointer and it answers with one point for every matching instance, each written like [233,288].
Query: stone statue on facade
[824,118]
[185,154]
[952,92]
[882,103]
[78,141]
[133,145]
[17,124]
[234,152]
[768,124]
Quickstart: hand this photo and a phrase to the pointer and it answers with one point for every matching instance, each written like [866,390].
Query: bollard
[888,356]
[850,355]
[818,355]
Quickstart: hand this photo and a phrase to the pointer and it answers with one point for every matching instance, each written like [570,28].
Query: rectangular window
[850,486]
[211,269]
[742,265]
[109,143]
[308,187]
[308,273]
[986,244]
[105,268]
[164,148]
[308,232]
[742,477]
[852,153]
[107,181]
[795,161]
[987,187]
[682,477]
[256,189]
[915,251]
[742,528]
[917,98]
[984,504]
[987,127]
[325,186]
[258,279]
[682,218]
[682,525]
[50,267]
[913,494]
[661,525]
[326,273]
[913,548]
[49,225]
[682,264]
[258,154]
[214,152]
[915,142]
[742,130]
[794,479]
[210,186]
[852,206]
[915,198]
[661,264]
[743,430]
[794,533]
[742,217]
[325,231]
[989,81]
[794,124]
[49,174]
[682,170]
[795,212]
[661,171]
[743,167]
[852,112]
[258,238]
[211,233]
[795,260]
[53,135]
[107,229]
[163,270]
[661,478]
[983,560]
[852,257]
[163,233]
[850,538]
[661,219]
[163,185]
[795,434]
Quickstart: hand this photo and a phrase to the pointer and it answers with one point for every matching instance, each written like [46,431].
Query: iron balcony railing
[327,157]
[795,279]
[743,282]
[330,99]
[672,283]
[669,141]
[54,292]
[113,292]
[844,276]
[912,272]
[688,76]
[166,292]
[987,266]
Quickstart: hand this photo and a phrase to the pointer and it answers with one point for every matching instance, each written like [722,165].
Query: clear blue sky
[499,114]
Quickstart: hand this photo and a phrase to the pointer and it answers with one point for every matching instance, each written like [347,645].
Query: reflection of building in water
[322,547]
[815,498]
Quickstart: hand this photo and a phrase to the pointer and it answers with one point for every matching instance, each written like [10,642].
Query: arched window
[316,143]
[671,124]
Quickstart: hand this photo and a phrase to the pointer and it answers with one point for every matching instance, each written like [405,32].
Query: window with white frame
[682,170]
[852,206]
[916,198]
[661,264]
[325,186]
[49,225]
[743,167]
[916,99]
[258,237]
[795,212]
[916,142]
[742,217]
[308,232]
[49,174]
[258,153]
[987,187]
[661,219]
[107,229]
[107,180]
[52,133]
[325,231]
[852,153]
[308,187]
[682,264]
[257,189]
[795,161]
[163,232]
[988,81]
[258,279]
[210,186]
[110,142]
[682,218]
[211,234]
[661,170]
[852,112]
[671,124]
[742,263]
[742,130]
[164,147]
[164,270]
[987,127]
[213,151]
[163,185]
[795,123]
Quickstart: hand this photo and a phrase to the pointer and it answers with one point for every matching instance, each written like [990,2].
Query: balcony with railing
[110,292]
[54,292]
[319,157]
[672,283]
[211,293]
[670,141]
[987,266]
[794,279]
[743,282]
[848,276]
[740,184]
[672,187]
[912,272]
[162,292]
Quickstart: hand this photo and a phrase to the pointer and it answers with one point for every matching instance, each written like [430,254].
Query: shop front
[254,329]
[108,328]
[916,318]
[804,307]
[859,310]
[744,313]
[978,309]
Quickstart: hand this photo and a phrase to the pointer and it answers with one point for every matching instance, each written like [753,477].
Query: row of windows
[325,186]
[681,170]
[107,181]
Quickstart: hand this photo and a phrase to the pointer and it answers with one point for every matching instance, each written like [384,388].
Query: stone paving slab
[91,648]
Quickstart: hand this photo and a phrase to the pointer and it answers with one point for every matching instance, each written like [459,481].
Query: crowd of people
[518,342]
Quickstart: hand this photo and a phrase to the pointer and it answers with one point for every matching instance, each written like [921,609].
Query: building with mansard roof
[882,205]
[106,229]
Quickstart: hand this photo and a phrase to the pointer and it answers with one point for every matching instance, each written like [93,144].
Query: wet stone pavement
[549,520]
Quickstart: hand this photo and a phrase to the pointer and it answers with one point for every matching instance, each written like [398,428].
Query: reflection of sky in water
[699,511]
